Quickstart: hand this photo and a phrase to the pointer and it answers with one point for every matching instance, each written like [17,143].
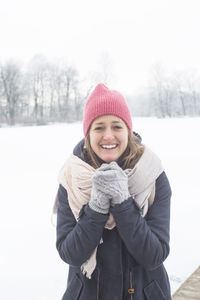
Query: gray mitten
[99,201]
[113,181]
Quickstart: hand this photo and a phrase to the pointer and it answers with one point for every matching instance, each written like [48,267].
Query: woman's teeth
[108,146]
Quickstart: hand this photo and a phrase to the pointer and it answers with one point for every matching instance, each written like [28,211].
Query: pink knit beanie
[103,101]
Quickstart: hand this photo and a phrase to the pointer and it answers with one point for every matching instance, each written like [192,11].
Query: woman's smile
[109,147]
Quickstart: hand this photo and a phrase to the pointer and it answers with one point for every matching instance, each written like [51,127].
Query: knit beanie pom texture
[103,101]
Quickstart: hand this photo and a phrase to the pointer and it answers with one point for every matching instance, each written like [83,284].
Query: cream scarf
[76,177]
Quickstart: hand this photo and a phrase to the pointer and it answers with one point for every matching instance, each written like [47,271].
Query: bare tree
[193,86]
[82,90]
[104,71]
[63,86]
[11,89]
[69,77]
[37,73]
[164,93]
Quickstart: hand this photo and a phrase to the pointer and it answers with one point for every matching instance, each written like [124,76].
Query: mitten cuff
[98,209]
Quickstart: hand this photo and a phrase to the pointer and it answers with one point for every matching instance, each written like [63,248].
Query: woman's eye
[118,127]
[98,128]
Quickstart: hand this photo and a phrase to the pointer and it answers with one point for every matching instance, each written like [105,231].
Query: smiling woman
[113,209]
[108,137]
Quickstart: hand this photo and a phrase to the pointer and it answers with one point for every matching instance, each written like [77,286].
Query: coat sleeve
[76,241]
[146,239]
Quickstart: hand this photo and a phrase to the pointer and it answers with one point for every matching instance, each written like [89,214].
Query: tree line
[43,92]
[169,95]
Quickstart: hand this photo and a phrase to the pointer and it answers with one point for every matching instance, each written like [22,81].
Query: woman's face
[108,137]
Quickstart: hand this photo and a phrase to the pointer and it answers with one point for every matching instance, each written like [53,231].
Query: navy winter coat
[130,259]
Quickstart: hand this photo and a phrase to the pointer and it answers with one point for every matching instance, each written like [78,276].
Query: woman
[113,209]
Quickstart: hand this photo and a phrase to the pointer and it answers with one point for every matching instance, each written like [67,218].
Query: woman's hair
[127,160]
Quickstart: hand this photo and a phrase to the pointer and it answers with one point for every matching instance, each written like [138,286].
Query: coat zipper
[98,280]
[131,290]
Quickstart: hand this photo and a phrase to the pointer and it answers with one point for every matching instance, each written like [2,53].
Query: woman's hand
[99,200]
[112,181]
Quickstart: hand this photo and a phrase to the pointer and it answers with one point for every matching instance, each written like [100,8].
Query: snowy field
[30,158]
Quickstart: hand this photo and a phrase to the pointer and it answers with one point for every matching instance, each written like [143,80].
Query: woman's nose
[108,134]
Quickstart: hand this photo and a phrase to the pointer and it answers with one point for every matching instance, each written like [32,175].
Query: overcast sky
[133,34]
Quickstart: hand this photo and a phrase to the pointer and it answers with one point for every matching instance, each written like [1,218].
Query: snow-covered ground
[30,158]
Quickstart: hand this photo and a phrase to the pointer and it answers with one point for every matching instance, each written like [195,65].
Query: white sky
[135,34]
